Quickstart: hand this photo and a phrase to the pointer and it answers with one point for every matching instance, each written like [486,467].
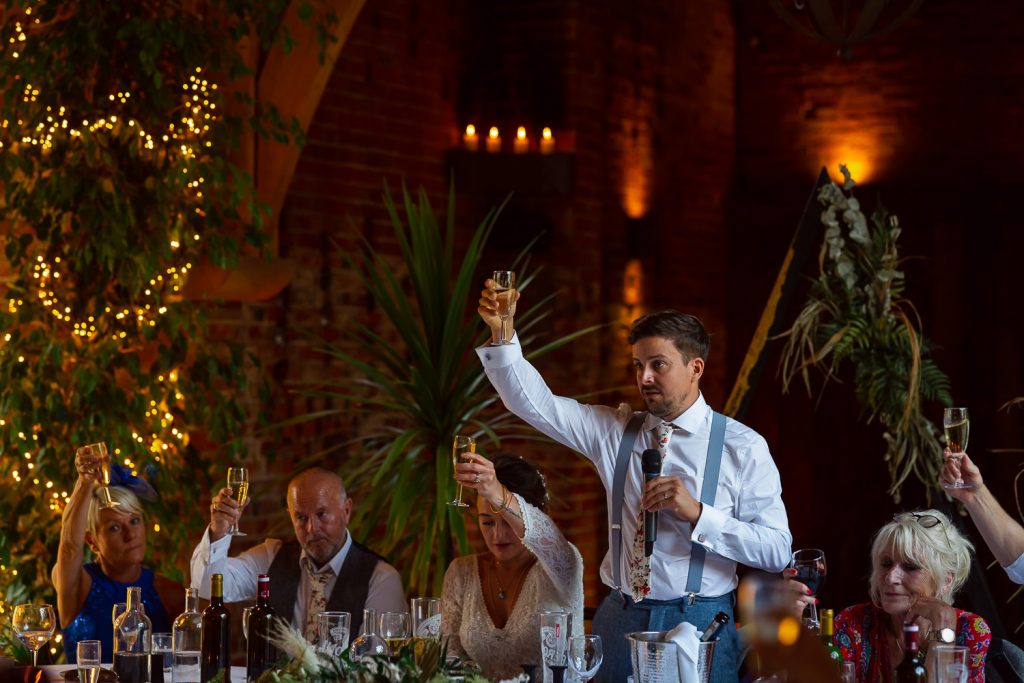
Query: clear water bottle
[133,641]
[368,644]
[187,641]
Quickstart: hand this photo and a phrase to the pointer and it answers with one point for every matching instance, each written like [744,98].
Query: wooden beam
[294,83]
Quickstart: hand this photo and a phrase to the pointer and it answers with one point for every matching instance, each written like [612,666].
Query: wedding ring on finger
[476,479]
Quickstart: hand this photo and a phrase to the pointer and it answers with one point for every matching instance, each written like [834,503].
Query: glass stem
[35,658]
[502,330]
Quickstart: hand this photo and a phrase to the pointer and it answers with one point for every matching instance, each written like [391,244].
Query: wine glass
[99,451]
[957,426]
[810,571]
[395,629]
[246,611]
[238,482]
[585,656]
[34,626]
[459,446]
[505,288]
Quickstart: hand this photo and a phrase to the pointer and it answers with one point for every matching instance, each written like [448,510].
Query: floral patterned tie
[317,599]
[640,564]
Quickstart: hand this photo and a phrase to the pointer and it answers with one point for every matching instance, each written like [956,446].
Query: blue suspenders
[712,468]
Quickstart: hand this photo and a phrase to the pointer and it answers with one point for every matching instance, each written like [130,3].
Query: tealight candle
[521,145]
[470,140]
[493,140]
[547,141]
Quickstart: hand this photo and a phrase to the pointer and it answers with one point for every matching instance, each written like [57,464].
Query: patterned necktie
[640,564]
[317,600]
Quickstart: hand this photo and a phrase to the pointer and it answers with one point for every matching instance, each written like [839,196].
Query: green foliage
[117,177]
[423,385]
[856,313]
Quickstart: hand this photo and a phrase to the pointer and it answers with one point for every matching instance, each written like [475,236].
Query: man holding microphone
[717,495]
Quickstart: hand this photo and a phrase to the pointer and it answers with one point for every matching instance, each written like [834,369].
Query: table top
[55,672]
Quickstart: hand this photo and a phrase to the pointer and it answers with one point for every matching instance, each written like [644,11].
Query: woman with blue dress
[87,592]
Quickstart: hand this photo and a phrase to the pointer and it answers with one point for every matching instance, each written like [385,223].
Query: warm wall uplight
[493,140]
[858,151]
[632,306]
[470,140]
[521,145]
[547,141]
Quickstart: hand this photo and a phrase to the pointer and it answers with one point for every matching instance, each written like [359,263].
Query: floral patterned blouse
[859,635]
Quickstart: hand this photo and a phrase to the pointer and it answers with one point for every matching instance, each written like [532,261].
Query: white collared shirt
[240,575]
[1016,570]
[747,523]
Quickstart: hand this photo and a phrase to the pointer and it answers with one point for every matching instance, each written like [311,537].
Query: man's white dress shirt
[240,575]
[1016,570]
[747,523]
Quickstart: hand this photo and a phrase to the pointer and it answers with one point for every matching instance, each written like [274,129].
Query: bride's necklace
[517,582]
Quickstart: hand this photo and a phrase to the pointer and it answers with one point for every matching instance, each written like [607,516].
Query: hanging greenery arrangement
[856,315]
[116,135]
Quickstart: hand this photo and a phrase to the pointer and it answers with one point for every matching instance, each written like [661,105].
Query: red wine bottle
[911,669]
[262,653]
[216,651]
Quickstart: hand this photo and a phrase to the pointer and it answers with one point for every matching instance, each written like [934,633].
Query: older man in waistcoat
[322,569]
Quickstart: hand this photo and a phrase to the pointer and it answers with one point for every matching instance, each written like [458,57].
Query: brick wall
[642,96]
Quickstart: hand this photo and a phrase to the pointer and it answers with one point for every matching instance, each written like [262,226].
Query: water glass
[163,653]
[89,655]
[554,640]
[585,656]
[426,617]
[333,631]
[948,664]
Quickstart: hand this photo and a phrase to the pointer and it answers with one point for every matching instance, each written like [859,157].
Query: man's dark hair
[522,477]
[686,331]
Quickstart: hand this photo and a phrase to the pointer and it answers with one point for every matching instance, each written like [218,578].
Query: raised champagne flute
[99,451]
[460,445]
[34,625]
[957,426]
[238,482]
[810,569]
[505,288]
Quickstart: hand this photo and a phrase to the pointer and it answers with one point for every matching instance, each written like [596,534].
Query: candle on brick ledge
[493,140]
[521,145]
[470,140]
[547,141]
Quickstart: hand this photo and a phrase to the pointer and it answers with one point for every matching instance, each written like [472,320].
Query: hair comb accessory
[123,477]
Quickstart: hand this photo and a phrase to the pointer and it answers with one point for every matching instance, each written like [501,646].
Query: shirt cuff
[219,548]
[709,527]
[1016,570]
[500,355]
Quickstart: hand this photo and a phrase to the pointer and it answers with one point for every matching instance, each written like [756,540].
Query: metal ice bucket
[655,659]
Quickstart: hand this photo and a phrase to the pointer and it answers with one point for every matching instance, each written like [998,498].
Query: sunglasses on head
[928,521]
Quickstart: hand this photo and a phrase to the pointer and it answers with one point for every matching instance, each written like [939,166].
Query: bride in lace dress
[491,601]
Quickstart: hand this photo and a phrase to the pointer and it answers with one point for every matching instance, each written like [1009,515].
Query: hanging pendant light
[833,21]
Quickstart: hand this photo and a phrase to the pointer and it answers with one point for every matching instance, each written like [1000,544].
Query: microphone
[651,464]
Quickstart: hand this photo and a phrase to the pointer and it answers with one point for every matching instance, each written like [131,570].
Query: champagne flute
[238,482]
[99,451]
[34,626]
[957,426]
[459,446]
[505,288]
[810,571]
[585,656]
[246,611]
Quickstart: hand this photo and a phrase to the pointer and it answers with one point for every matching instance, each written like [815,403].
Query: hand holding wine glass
[957,427]
[497,305]
[461,444]
[93,465]
[238,483]
[810,569]
[225,512]
[34,626]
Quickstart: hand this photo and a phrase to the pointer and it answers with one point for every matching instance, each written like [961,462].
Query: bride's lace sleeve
[560,558]
[451,606]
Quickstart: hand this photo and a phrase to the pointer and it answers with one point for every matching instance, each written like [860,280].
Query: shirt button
[487,356]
